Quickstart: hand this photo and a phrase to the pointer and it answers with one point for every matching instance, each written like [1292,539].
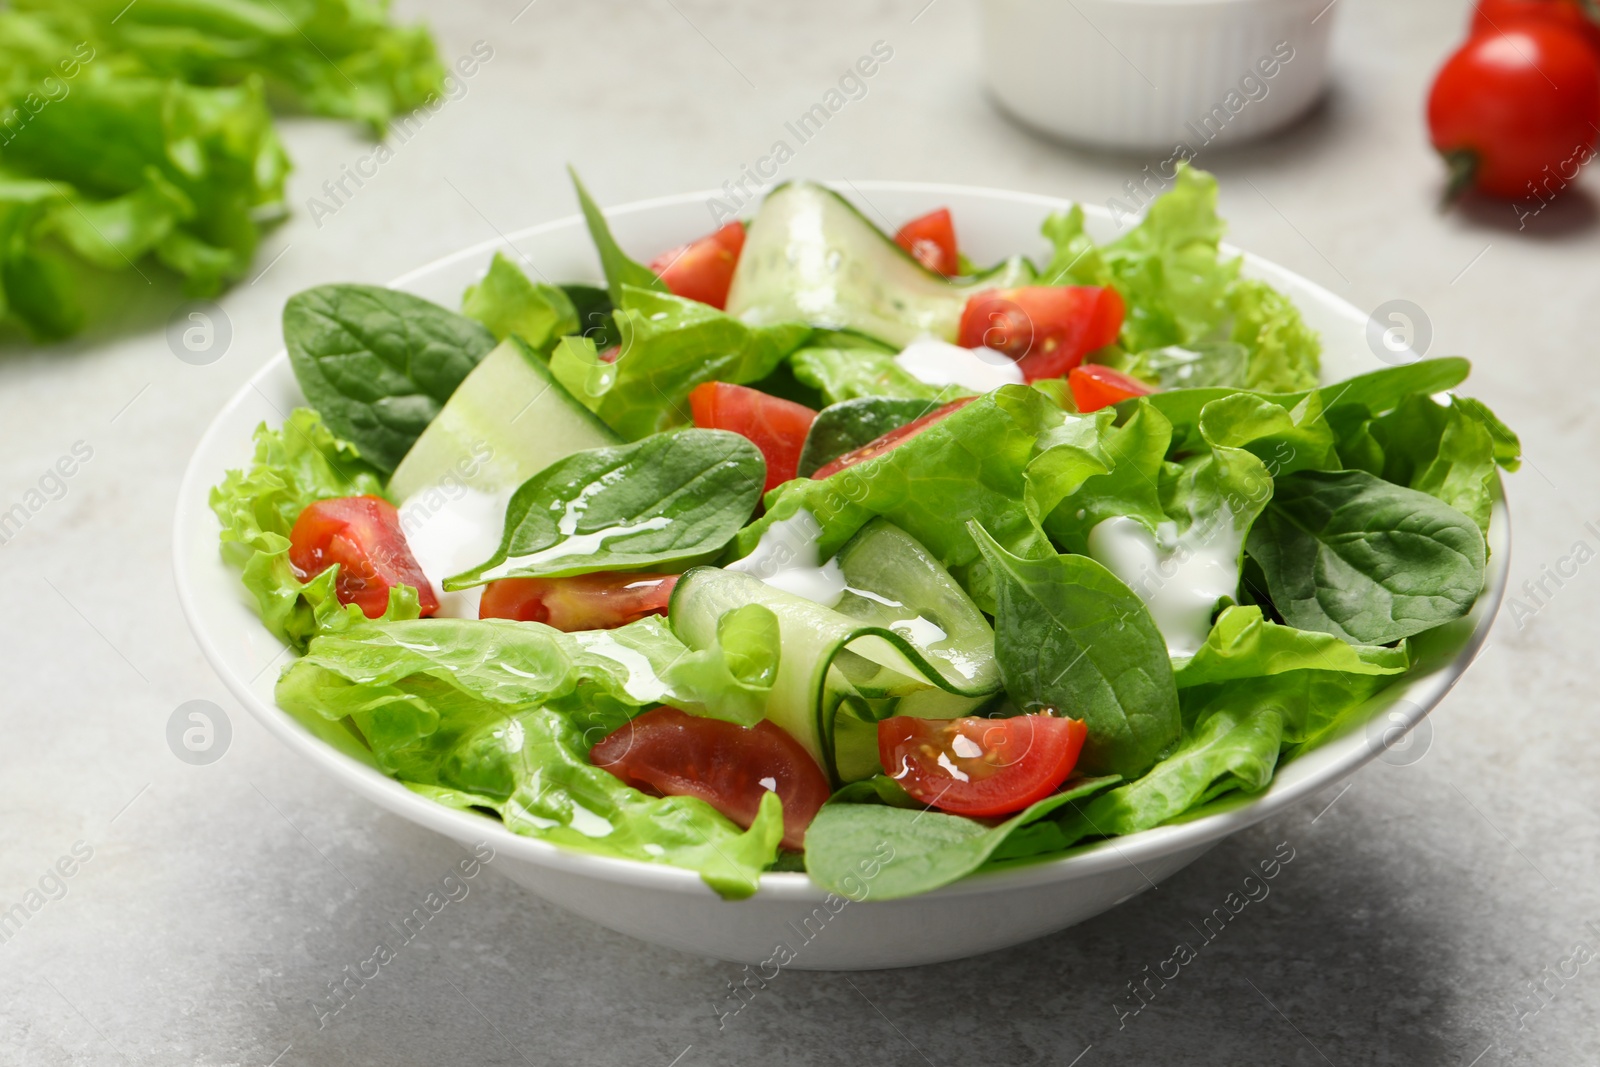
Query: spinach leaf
[846,373]
[911,851]
[845,427]
[669,499]
[1069,635]
[1350,554]
[378,364]
[619,269]
[668,346]
[507,302]
[1445,451]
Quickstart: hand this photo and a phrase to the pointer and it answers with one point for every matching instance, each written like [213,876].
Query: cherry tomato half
[600,601]
[362,535]
[889,441]
[1095,387]
[980,767]
[931,240]
[776,426]
[702,270]
[730,767]
[1047,329]
[1515,113]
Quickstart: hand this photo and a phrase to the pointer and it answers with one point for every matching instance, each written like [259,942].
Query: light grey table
[219,901]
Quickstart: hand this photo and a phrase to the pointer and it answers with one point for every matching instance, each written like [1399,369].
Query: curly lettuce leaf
[502,715]
[1180,291]
[338,58]
[294,466]
[507,302]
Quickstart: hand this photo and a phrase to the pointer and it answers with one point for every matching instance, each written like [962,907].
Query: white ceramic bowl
[1155,74]
[673,907]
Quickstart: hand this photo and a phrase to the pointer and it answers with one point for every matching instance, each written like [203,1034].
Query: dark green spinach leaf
[1350,554]
[1070,635]
[668,499]
[845,427]
[620,270]
[378,364]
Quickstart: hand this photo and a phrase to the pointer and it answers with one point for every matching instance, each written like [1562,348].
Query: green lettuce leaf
[1179,290]
[338,58]
[969,465]
[841,374]
[507,302]
[294,467]
[483,714]
[1243,644]
[668,346]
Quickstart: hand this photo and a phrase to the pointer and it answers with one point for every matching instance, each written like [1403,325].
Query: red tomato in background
[776,426]
[980,767]
[1047,329]
[889,441]
[931,240]
[1496,16]
[1095,387]
[730,767]
[361,534]
[702,270]
[600,601]
[1515,112]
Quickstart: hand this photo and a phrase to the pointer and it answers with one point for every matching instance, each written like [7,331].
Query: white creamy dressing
[786,558]
[451,529]
[936,362]
[1179,578]
[642,683]
[919,631]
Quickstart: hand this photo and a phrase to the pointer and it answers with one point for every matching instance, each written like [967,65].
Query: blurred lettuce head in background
[138,133]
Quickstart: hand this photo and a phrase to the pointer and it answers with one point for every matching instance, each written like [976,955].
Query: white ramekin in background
[1156,74]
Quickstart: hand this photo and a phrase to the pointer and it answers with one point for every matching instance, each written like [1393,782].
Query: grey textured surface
[221,900]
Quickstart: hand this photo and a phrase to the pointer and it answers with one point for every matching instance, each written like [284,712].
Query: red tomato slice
[776,426]
[1047,329]
[1095,387]
[361,534]
[891,440]
[931,239]
[668,753]
[702,270]
[601,601]
[980,767]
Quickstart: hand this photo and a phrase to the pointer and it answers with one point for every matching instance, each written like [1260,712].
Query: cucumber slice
[905,640]
[508,420]
[809,255]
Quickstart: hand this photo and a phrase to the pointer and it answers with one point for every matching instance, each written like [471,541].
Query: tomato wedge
[362,536]
[889,441]
[931,240]
[776,426]
[980,767]
[1095,387]
[730,767]
[1047,329]
[600,601]
[703,270]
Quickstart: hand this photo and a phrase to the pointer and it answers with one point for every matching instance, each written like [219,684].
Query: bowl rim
[1341,755]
